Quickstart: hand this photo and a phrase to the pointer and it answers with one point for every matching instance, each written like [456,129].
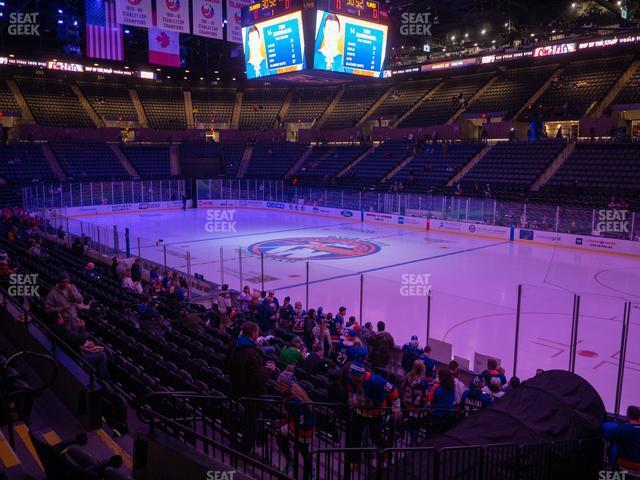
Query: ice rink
[473,281]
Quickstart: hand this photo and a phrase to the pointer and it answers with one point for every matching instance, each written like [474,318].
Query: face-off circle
[314,248]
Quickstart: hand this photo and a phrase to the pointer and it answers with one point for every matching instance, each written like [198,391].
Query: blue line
[261,233]
[393,265]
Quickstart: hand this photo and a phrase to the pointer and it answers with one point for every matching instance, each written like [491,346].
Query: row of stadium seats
[570,95]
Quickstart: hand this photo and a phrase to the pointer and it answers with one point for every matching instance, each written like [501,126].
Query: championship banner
[207,18]
[173,15]
[234,26]
[136,13]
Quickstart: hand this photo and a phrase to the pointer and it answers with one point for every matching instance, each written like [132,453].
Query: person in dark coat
[249,375]
[136,270]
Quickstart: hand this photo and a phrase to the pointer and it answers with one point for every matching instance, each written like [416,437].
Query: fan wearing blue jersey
[474,398]
[369,396]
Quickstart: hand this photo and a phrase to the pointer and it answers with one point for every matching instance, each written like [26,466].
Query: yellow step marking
[51,438]
[23,432]
[7,455]
[115,448]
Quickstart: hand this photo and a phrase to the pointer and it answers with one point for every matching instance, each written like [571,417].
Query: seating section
[446,101]
[150,161]
[25,163]
[308,104]
[630,93]
[435,165]
[372,168]
[163,106]
[273,160]
[579,88]
[84,161]
[260,106]
[402,98]
[325,162]
[53,103]
[513,166]
[232,157]
[213,105]
[594,167]
[511,91]
[355,102]
[112,102]
[8,105]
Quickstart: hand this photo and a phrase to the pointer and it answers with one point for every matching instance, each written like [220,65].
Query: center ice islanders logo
[314,248]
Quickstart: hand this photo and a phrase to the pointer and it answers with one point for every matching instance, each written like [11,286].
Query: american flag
[104,35]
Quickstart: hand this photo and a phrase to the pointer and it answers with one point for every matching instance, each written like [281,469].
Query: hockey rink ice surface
[473,281]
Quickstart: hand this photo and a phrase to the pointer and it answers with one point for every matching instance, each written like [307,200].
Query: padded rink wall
[498,232]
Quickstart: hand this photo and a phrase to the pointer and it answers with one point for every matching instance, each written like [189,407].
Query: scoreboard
[362,9]
[265,9]
[274,46]
[343,36]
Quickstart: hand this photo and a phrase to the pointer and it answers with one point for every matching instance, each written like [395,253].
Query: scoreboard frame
[265,9]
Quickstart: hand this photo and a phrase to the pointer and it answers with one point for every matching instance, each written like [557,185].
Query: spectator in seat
[244,300]
[369,395]
[293,354]
[459,386]
[285,317]
[155,276]
[136,271]
[249,375]
[299,424]
[149,320]
[410,353]
[191,321]
[442,398]
[299,315]
[380,351]
[77,248]
[492,371]
[63,302]
[624,452]
[321,337]
[335,328]
[224,306]
[474,398]
[91,272]
[129,284]
[415,394]
[429,363]
[494,389]
[265,314]
[315,363]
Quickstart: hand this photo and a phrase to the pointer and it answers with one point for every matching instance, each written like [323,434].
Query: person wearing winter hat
[298,424]
[369,396]
[410,353]
[474,398]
